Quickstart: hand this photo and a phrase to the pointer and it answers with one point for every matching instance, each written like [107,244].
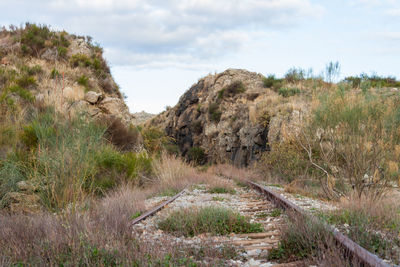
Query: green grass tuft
[214,220]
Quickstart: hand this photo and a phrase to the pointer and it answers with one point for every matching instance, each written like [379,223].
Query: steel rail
[352,249]
[156,209]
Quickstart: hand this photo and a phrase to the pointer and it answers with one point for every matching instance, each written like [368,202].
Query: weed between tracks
[307,239]
[214,220]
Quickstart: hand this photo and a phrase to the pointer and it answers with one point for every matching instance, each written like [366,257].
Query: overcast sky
[158,48]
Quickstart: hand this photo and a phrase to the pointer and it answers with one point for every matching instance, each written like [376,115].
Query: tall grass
[69,159]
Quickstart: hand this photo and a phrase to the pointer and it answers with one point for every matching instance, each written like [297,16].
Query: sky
[157,49]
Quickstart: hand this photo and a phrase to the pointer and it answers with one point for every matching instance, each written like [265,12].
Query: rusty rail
[352,249]
[156,209]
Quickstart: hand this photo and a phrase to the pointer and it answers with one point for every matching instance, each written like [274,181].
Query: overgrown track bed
[252,248]
[352,249]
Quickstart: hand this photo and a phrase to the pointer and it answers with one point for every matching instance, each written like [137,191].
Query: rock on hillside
[230,117]
[58,69]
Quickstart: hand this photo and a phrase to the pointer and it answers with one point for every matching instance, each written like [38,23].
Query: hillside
[59,69]
[60,109]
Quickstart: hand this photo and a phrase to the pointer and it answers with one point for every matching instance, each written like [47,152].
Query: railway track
[259,208]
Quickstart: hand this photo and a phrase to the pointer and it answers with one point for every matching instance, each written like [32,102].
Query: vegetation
[374,225]
[233,89]
[215,220]
[35,38]
[214,112]
[197,155]
[286,92]
[221,190]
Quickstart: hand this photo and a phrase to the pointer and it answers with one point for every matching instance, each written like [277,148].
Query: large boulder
[231,116]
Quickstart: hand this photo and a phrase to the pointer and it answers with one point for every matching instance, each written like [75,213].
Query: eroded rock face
[230,126]
[96,104]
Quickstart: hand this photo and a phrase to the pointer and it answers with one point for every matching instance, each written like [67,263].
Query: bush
[286,92]
[80,60]
[155,140]
[286,160]
[121,136]
[197,155]
[23,93]
[214,112]
[35,70]
[132,164]
[214,220]
[26,81]
[231,90]
[54,74]
[272,82]
[358,133]
[301,238]
[295,75]
[84,81]
[33,38]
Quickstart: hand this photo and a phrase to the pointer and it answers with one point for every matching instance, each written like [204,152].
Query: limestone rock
[92,97]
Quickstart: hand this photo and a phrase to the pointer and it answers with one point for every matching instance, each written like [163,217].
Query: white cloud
[154,31]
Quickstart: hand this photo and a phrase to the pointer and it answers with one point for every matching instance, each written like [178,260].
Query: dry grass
[237,174]
[100,236]
[307,239]
[171,173]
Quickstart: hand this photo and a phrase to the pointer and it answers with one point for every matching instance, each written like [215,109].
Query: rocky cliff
[230,117]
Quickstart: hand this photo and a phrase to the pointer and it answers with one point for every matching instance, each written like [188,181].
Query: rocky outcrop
[231,116]
[98,105]
[142,117]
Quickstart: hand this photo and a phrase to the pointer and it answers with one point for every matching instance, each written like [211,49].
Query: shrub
[304,237]
[131,165]
[286,92]
[54,74]
[356,140]
[23,93]
[84,81]
[215,220]
[80,60]
[26,81]
[272,82]
[233,89]
[295,75]
[197,155]
[37,69]
[286,160]
[214,112]
[62,51]
[121,136]
[34,37]
[155,140]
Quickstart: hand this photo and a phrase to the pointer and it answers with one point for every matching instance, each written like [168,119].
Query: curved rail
[363,256]
[156,209]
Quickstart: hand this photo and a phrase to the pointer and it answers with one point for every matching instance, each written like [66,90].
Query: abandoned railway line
[259,203]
